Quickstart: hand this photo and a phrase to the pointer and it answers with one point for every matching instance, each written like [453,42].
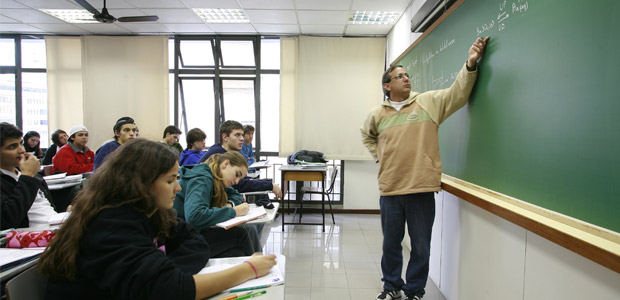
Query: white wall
[477,255]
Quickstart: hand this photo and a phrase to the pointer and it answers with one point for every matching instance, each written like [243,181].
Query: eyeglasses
[401,75]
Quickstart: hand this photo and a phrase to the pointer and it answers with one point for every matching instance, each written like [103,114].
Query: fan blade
[87,6]
[139,19]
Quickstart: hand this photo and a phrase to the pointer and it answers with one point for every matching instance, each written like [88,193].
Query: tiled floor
[342,263]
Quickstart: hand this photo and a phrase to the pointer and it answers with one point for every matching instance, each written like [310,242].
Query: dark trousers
[418,212]
[233,242]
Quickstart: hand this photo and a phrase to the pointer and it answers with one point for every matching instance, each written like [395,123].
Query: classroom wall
[478,255]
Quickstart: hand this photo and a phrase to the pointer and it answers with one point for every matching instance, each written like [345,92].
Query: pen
[236,296]
[252,295]
[250,288]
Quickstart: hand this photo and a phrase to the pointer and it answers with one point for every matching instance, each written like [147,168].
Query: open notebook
[254,213]
[274,277]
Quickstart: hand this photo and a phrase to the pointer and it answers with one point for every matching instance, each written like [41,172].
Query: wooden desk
[302,173]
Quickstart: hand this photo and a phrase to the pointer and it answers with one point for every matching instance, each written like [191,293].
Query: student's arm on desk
[210,284]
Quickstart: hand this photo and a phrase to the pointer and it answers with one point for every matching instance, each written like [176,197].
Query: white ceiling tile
[234,28]
[103,28]
[29,16]
[267,4]
[174,15]
[53,4]
[211,4]
[276,29]
[323,4]
[188,28]
[10,28]
[322,29]
[116,4]
[139,27]
[368,29]
[323,17]
[272,16]
[10,4]
[155,3]
[61,28]
[5,19]
[391,5]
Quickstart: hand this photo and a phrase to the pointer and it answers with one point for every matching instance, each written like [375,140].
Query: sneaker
[388,295]
[413,298]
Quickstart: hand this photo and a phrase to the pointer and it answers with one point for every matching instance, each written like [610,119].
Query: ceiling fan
[105,17]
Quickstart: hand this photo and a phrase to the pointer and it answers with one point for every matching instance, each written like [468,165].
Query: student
[195,144]
[25,199]
[59,139]
[246,147]
[171,138]
[32,143]
[123,241]
[231,138]
[411,144]
[124,131]
[74,157]
[207,199]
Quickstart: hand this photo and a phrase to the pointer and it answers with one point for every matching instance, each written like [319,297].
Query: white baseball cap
[77,128]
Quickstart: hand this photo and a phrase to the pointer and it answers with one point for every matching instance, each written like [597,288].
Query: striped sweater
[406,142]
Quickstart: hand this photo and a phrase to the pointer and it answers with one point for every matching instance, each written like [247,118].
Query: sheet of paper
[254,213]
[274,277]
[12,255]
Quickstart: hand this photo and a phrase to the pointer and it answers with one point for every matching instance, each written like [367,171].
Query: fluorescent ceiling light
[365,17]
[220,15]
[71,15]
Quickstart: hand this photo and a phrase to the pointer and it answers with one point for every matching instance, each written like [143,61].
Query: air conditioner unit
[430,11]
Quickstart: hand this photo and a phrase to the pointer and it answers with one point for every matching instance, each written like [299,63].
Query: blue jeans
[418,211]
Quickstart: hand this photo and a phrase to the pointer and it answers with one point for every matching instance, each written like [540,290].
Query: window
[23,84]
[217,79]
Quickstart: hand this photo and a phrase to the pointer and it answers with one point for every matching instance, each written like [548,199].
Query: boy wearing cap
[124,131]
[74,157]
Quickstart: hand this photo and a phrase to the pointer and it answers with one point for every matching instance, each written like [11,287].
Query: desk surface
[303,168]
[273,293]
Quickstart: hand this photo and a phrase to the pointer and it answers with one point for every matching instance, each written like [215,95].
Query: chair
[28,285]
[318,191]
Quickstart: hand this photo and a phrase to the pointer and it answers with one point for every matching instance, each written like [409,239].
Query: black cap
[122,121]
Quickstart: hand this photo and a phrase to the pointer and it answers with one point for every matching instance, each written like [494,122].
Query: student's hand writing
[476,50]
[242,209]
[276,190]
[29,165]
[262,263]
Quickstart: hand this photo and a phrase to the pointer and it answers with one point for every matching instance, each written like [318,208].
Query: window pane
[199,108]
[270,54]
[270,112]
[196,53]
[238,53]
[33,54]
[7,98]
[170,53]
[34,105]
[239,101]
[7,52]
[171,93]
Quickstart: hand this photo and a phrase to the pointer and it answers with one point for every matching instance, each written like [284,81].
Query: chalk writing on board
[519,6]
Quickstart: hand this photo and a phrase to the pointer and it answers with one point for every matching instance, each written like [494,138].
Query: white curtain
[328,86]
[120,76]
[64,82]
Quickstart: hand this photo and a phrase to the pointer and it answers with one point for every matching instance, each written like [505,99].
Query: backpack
[306,156]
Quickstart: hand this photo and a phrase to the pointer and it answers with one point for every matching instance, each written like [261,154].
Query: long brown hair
[220,198]
[124,179]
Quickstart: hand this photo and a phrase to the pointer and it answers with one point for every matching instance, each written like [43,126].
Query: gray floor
[341,263]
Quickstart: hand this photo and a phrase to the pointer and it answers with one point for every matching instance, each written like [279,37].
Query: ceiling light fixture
[364,17]
[220,15]
[71,15]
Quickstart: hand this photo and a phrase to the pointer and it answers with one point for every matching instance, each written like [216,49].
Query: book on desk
[255,212]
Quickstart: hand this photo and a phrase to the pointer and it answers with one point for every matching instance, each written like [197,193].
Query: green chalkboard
[543,121]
